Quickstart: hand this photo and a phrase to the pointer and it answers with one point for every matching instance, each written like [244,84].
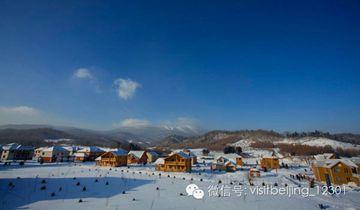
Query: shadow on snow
[28,190]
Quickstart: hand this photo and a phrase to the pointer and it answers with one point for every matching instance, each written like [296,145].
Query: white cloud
[19,110]
[83,73]
[126,88]
[132,122]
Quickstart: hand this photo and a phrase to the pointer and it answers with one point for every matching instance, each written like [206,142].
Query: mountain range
[143,135]
[149,135]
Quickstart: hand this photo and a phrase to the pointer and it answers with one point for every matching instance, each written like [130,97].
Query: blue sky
[281,65]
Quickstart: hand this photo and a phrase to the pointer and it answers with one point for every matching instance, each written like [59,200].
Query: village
[242,167]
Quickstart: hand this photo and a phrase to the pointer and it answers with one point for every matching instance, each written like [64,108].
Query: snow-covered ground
[141,183]
[313,141]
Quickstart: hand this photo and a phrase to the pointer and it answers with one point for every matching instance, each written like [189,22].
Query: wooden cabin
[91,152]
[192,156]
[189,153]
[239,161]
[137,157]
[253,172]
[222,163]
[14,152]
[176,162]
[336,171]
[152,156]
[113,158]
[269,163]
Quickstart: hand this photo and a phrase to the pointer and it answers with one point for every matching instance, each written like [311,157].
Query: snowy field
[22,187]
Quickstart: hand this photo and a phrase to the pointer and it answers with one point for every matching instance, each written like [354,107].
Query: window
[354,170]
[337,169]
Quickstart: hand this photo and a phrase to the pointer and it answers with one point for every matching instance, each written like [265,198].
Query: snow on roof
[15,146]
[324,156]
[91,149]
[160,161]
[137,154]
[254,169]
[190,153]
[230,162]
[119,152]
[231,156]
[22,147]
[332,162]
[183,155]
[55,148]
[11,146]
[72,148]
[356,160]
[221,157]
[226,161]
[98,158]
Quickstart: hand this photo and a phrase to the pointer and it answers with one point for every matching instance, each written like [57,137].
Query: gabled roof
[72,148]
[324,156]
[55,148]
[160,161]
[190,153]
[137,154]
[119,152]
[230,162]
[11,146]
[221,157]
[225,162]
[22,147]
[91,149]
[329,163]
[183,155]
[356,160]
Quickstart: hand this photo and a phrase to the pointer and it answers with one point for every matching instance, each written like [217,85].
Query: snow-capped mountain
[154,133]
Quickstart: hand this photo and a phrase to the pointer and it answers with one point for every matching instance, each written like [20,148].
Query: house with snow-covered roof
[223,163]
[336,171]
[269,162]
[113,158]
[137,157]
[14,151]
[54,154]
[324,156]
[176,162]
[90,153]
[189,153]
